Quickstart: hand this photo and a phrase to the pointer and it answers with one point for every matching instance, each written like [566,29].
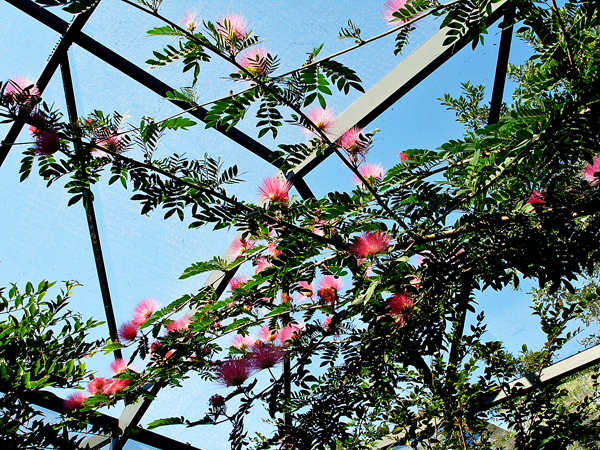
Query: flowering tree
[372,285]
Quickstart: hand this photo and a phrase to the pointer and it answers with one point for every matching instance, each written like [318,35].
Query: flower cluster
[275,189]
[321,118]
[400,305]
[370,244]
[141,313]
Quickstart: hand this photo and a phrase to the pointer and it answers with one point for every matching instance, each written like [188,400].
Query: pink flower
[289,333]
[128,331]
[143,310]
[240,246]
[321,118]
[537,198]
[404,157]
[177,325]
[390,7]
[370,244]
[234,372]
[261,263]
[267,334]
[243,342]
[266,356]
[327,323]
[237,282]
[47,142]
[112,141]
[400,305]
[189,21]
[217,401]
[329,286]
[118,366]
[322,227]
[306,290]
[254,60]
[275,189]
[273,250]
[589,171]
[114,386]
[353,144]
[96,385]
[233,27]
[370,172]
[74,401]
[16,90]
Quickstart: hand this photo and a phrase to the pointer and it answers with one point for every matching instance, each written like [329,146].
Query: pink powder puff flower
[118,366]
[15,90]
[327,323]
[217,401]
[400,305]
[178,325]
[322,227]
[390,7]
[234,372]
[240,246]
[244,343]
[404,157]
[370,244]
[261,263]
[128,331]
[589,171]
[143,310]
[275,189]
[306,290]
[47,142]
[415,281]
[331,282]
[370,172]
[537,198]
[189,21]
[74,401]
[237,282]
[323,119]
[266,356]
[267,334]
[253,60]
[96,385]
[233,27]
[289,333]
[34,131]
[329,286]
[273,250]
[352,143]
[114,386]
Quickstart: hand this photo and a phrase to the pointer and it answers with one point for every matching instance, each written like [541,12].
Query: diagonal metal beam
[90,213]
[68,31]
[52,402]
[400,81]
[139,75]
[501,69]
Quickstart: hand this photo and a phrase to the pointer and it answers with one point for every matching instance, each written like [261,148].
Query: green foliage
[42,344]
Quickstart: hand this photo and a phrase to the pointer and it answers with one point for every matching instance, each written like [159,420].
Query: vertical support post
[89,211]
[501,69]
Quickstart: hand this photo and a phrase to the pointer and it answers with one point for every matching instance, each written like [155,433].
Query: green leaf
[168,421]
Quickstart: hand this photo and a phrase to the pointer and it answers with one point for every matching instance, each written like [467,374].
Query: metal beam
[90,213]
[68,31]
[401,80]
[501,69]
[139,75]
[52,402]
[568,366]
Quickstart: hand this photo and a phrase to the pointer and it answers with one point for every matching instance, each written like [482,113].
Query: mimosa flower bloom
[143,310]
[370,244]
[275,189]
